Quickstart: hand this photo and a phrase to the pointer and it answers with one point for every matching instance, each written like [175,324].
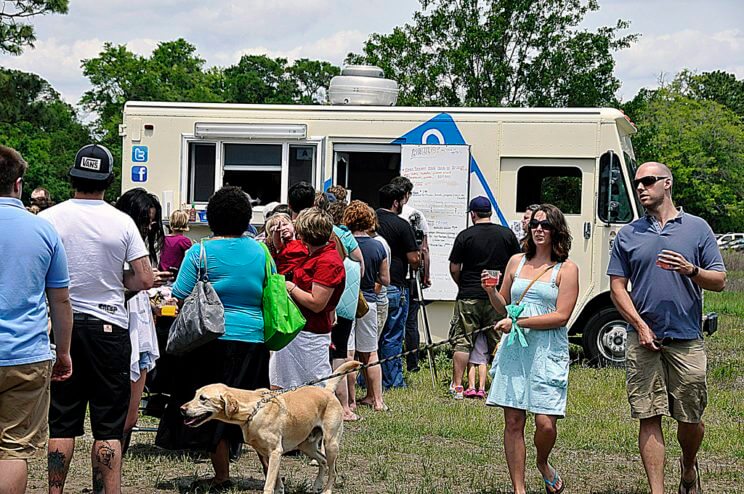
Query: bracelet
[694,273]
[293,287]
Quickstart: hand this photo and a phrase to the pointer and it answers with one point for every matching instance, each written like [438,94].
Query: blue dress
[533,378]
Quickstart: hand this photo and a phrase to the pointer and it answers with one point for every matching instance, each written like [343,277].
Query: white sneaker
[457,392]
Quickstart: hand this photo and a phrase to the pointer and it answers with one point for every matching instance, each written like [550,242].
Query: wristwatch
[694,273]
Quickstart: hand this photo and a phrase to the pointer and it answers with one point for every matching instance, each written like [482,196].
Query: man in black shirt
[404,252]
[481,246]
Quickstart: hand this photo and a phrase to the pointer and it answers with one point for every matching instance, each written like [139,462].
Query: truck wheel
[604,338]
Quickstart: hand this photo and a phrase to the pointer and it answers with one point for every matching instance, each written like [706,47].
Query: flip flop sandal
[357,418]
[551,487]
[690,487]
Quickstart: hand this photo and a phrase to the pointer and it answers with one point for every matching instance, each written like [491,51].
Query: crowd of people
[108,281]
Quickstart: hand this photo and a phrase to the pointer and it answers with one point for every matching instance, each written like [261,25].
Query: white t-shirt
[98,239]
[409,211]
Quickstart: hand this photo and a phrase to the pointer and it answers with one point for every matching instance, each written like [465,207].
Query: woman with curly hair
[235,265]
[530,370]
[360,219]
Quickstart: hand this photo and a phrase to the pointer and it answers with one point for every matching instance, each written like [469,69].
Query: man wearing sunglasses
[669,257]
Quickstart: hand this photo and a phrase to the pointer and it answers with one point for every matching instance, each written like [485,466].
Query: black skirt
[233,363]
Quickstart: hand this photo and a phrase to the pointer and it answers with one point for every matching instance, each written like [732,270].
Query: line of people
[352,271]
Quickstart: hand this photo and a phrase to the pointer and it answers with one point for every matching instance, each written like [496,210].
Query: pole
[427,329]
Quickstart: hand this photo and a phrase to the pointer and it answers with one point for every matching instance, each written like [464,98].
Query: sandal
[470,393]
[481,394]
[556,485]
[694,487]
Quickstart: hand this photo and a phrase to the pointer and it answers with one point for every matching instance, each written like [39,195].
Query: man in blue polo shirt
[33,264]
[669,257]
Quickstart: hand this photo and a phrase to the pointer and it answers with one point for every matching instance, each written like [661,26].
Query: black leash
[272,394]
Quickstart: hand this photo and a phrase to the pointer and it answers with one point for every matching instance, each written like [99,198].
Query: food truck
[580,159]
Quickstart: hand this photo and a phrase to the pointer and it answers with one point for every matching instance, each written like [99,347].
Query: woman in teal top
[235,267]
[530,370]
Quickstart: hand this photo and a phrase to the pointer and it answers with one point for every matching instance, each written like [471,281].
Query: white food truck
[580,159]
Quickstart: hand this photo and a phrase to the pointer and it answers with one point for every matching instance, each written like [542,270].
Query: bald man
[665,357]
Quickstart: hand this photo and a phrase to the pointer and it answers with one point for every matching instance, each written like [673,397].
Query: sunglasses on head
[647,181]
[545,224]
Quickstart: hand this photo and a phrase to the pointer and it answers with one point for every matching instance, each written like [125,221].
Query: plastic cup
[494,276]
[662,264]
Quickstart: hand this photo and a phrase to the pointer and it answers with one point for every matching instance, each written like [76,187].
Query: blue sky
[674,34]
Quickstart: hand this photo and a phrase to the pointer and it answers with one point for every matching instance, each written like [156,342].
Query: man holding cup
[669,257]
[482,246]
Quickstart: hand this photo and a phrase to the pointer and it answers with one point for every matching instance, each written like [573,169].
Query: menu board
[440,176]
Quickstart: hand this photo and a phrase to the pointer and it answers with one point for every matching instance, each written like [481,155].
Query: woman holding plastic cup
[530,370]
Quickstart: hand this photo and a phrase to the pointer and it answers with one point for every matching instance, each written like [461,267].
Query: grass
[432,444]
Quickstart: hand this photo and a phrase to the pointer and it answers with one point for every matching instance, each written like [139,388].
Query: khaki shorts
[470,315]
[668,382]
[24,410]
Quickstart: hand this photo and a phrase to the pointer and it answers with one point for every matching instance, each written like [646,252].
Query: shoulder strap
[533,282]
[339,246]
[521,265]
[556,268]
[202,256]
[269,260]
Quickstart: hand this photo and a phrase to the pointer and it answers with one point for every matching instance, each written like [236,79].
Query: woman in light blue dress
[530,370]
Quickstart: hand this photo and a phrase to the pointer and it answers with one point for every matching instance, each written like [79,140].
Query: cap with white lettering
[93,162]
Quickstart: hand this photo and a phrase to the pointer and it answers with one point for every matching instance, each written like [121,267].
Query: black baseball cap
[93,162]
[480,204]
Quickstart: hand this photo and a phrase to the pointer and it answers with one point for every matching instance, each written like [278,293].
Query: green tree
[702,141]
[259,79]
[15,32]
[721,87]
[312,78]
[173,72]
[500,53]
[36,122]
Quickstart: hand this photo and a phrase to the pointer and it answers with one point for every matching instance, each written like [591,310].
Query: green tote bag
[282,319]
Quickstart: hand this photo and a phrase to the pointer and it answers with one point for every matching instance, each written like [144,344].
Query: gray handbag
[202,316]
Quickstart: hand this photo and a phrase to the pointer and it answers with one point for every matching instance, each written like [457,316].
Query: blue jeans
[391,339]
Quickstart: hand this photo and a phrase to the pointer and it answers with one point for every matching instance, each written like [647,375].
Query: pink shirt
[174,248]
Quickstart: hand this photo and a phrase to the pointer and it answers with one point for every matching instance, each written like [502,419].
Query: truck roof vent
[362,85]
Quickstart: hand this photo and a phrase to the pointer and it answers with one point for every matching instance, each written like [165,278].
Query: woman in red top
[316,286]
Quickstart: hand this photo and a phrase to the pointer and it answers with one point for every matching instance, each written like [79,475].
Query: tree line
[453,53]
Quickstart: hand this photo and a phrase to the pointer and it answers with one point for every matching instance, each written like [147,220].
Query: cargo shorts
[470,315]
[668,382]
[24,410]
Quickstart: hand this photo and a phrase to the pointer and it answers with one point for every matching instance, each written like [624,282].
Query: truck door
[566,183]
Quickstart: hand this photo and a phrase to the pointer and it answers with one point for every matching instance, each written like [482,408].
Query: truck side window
[201,171]
[255,168]
[557,185]
[614,201]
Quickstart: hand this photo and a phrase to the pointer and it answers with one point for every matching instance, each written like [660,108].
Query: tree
[312,78]
[15,32]
[702,141]
[500,53]
[721,87]
[44,129]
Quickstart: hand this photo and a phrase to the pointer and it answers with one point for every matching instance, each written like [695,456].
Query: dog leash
[273,394]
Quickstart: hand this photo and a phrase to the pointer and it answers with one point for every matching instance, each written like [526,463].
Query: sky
[700,36]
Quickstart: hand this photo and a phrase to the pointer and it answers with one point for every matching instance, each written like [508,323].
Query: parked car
[736,245]
[727,238]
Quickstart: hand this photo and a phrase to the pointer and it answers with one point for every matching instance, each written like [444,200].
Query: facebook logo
[139,174]
[139,154]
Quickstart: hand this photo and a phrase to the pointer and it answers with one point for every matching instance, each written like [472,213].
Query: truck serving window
[614,201]
[557,185]
[201,171]
[255,168]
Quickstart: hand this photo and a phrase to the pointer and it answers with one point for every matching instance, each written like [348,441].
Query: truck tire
[604,338]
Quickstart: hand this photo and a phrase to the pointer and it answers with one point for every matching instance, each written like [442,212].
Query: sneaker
[470,393]
[457,393]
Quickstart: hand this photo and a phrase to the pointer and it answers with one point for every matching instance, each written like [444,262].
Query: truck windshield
[630,166]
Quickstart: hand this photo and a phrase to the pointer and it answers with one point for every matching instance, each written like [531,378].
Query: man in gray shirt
[669,257]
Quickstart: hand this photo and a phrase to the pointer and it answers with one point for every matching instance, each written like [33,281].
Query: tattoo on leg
[105,455]
[56,468]
[98,486]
